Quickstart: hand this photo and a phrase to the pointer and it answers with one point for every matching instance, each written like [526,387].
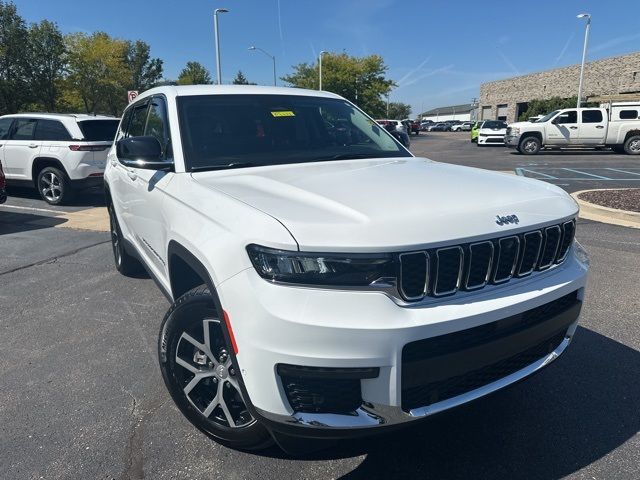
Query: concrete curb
[613,216]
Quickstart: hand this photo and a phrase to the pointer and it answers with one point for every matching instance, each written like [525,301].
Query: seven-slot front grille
[444,271]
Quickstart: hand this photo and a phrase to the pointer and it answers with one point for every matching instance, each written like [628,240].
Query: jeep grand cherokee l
[324,281]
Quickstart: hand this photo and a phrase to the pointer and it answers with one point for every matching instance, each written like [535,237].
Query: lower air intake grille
[439,368]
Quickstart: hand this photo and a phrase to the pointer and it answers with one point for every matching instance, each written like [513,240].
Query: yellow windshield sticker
[283,113]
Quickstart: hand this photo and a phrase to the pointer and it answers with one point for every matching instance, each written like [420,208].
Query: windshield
[547,117]
[99,130]
[494,124]
[226,131]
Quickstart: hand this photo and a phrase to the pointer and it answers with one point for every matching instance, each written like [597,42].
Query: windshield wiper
[226,166]
[345,156]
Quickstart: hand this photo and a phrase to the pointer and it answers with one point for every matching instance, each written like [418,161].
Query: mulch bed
[627,199]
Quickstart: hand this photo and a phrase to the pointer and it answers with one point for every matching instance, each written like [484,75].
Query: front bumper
[490,139]
[512,141]
[275,324]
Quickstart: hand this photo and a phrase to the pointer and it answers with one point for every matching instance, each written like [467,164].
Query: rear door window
[591,116]
[99,130]
[24,129]
[51,130]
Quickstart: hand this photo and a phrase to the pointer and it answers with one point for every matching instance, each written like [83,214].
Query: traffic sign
[131,95]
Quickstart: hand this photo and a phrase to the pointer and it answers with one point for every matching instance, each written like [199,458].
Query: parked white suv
[325,282]
[57,153]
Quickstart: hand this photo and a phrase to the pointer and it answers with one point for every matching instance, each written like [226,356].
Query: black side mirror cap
[142,152]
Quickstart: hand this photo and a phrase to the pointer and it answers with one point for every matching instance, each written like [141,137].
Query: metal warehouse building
[615,78]
[454,112]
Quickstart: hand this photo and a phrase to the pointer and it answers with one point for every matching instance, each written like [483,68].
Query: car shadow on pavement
[571,414]
[11,222]
[92,197]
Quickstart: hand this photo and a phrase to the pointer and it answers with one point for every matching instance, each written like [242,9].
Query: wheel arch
[186,271]
[631,133]
[40,163]
[537,135]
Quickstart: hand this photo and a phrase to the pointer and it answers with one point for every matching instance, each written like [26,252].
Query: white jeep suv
[57,153]
[324,282]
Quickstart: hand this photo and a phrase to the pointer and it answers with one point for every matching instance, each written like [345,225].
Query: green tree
[399,111]
[98,73]
[194,73]
[359,79]
[13,59]
[146,72]
[46,63]
[240,79]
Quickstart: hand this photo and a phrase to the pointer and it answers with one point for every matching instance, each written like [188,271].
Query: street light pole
[584,53]
[320,69]
[273,58]
[217,35]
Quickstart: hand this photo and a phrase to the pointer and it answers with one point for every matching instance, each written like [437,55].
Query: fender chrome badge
[507,219]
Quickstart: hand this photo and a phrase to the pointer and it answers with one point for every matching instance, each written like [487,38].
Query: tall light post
[320,69]
[253,48]
[215,28]
[584,53]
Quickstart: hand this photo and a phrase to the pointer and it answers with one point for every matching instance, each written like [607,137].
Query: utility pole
[217,35]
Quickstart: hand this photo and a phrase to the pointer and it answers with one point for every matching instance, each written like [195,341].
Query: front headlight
[515,131]
[353,269]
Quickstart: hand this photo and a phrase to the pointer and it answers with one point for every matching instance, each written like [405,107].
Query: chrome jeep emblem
[507,219]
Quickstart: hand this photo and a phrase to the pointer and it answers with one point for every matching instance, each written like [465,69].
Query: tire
[632,145]
[200,373]
[125,264]
[54,186]
[529,146]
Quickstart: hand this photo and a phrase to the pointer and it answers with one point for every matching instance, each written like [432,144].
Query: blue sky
[437,51]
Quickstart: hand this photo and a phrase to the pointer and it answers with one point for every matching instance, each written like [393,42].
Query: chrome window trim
[537,257]
[489,268]
[426,280]
[564,225]
[458,281]
[555,253]
[515,259]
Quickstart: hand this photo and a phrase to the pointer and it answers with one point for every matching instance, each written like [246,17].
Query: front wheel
[529,146]
[632,145]
[201,375]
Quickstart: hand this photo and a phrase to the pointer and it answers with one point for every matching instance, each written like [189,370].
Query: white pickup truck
[617,127]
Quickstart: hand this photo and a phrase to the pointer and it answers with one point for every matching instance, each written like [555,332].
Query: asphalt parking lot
[82,395]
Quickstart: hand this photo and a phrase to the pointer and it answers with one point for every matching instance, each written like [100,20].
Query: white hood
[390,204]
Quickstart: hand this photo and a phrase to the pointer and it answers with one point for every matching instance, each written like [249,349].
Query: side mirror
[142,152]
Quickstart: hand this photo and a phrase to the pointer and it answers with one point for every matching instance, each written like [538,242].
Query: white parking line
[589,174]
[623,171]
[33,209]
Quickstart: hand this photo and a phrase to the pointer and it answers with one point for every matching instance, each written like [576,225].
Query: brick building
[615,78]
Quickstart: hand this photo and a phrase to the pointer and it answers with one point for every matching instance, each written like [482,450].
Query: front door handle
[573,128]
[33,145]
[132,175]
[599,126]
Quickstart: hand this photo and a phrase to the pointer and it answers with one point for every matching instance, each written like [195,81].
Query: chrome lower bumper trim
[371,415]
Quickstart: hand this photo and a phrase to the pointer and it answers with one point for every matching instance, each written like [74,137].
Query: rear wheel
[54,186]
[201,374]
[632,145]
[529,146]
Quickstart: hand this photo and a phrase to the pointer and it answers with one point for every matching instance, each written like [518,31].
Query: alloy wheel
[634,146]
[208,376]
[115,239]
[530,146]
[50,186]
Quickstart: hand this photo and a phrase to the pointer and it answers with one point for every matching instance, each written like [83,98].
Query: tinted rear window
[99,130]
